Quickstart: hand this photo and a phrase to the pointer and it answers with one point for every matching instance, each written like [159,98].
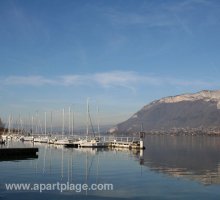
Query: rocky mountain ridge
[187,112]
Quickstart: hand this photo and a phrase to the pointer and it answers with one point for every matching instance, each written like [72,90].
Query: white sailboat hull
[41,139]
[92,144]
[28,138]
[62,142]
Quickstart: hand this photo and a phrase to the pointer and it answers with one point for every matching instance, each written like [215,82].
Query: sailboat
[62,141]
[93,142]
[51,139]
[45,138]
[27,138]
[7,136]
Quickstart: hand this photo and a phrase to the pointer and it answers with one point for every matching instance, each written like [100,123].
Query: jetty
[18,153]
[106,142]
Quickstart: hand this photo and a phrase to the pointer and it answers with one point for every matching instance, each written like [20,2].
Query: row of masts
[35,126]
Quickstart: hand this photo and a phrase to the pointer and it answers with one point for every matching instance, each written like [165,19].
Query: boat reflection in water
[191,157]
[169,167]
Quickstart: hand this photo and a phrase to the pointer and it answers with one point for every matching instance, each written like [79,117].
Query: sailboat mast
[51,125]
[63,122]
[45,123]
[72,123]
[69,118]
[19,123]
[98,120]
[87,124]
[36,130]
[9,124]
[32,124]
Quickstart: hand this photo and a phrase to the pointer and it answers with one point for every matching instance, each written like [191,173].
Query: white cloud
[126,79]
[117,78]
[27,80]
[71,80]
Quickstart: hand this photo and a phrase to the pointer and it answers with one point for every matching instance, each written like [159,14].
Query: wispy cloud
[28,80]
[175,15]
[182,6]
[189,83]
[126,79]
[117,78]
[69,80]
[148,19]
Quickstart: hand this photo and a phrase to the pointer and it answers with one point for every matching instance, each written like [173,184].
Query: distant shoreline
[215,131]
[173,132]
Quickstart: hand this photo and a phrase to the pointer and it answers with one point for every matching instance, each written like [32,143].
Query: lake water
[171,167]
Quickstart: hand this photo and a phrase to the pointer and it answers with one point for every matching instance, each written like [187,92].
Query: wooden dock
[106,141]
[18,152]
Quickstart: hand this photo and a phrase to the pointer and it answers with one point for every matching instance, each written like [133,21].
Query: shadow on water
[18,158]
[192,157]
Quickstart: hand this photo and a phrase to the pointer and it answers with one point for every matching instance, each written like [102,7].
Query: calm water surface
[171,167]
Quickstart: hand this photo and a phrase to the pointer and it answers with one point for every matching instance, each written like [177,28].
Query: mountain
[182,113]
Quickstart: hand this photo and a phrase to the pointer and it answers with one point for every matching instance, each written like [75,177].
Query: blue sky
[121,54]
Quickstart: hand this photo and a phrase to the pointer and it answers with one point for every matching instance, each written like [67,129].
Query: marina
[89,139]
[76,141]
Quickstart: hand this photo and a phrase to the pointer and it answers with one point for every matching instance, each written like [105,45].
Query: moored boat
[62,141]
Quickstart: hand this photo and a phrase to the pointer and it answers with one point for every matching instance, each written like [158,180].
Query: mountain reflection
[192,157]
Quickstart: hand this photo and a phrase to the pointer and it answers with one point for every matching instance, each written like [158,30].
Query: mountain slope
[188,111]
